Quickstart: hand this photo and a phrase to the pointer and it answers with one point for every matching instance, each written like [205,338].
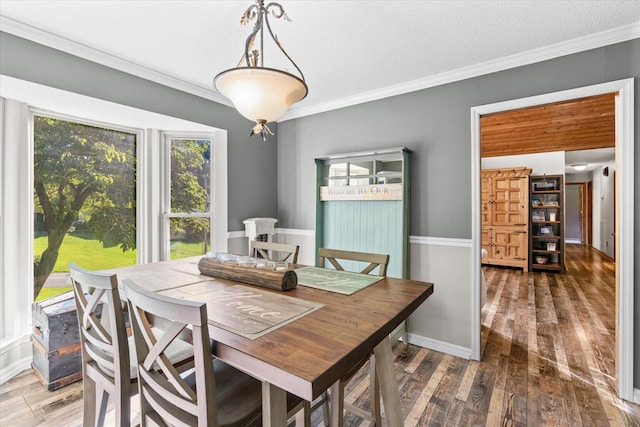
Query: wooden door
[510,203]
[581,198]
[573,213]
[588,223]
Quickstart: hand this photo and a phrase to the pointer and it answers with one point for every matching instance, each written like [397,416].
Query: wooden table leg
[388,383]
[274,406]
[336,404]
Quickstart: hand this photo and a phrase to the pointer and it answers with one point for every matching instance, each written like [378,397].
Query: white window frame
[167,214]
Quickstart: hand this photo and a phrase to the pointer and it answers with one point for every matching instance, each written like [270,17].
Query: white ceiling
[593,159]
[349,51]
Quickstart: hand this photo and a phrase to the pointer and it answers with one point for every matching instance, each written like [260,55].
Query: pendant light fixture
[259,93]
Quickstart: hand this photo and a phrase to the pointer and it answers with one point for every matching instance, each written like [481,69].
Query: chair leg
[123,409]
[326,414]
[103,401]
[303,416]
[89,402]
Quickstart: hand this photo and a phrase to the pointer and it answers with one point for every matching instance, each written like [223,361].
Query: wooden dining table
[308,355]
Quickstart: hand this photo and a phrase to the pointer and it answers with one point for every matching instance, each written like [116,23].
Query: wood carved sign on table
[245,310]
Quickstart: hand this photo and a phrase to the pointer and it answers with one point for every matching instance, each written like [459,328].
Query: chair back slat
[103,343]
[103,334]
[268,251]
[380,261]
[164,394]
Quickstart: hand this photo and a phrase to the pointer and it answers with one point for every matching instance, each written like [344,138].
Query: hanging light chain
[260,13]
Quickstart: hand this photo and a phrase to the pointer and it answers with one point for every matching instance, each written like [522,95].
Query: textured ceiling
[346,49]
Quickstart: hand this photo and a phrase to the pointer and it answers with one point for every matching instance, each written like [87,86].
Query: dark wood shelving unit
[546,233]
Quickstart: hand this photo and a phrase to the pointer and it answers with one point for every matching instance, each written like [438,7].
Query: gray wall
[251,163]
[435,124]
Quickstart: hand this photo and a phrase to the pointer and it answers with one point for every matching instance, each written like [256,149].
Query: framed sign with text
[362,192]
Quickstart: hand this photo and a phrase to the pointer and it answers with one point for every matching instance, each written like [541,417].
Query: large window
[84,198]
[20,103]
[188,211]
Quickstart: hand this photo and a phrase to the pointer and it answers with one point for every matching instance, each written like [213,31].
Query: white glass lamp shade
[579,166]
[260,94]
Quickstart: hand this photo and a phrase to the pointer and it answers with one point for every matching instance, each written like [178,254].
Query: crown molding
[66,45]
[592,41]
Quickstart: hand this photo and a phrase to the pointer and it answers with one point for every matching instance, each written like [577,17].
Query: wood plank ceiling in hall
[578,124]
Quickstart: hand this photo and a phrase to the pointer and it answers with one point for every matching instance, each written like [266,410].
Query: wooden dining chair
[108,365]
[336,393]
[215,394]
[104,346]
[334,255]
[267,250]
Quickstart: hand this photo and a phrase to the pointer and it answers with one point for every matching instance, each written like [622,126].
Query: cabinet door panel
[509,207]
[510,244]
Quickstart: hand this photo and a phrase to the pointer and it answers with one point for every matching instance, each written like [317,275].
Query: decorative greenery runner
[343,282]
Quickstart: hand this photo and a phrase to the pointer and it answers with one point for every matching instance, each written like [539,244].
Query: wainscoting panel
[366,226]
[445,317]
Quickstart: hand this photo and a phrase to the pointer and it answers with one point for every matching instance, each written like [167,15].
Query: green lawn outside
[86,253]
[179,249]
[90,254]
[47,293]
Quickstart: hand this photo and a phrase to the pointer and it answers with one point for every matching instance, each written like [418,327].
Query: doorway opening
[579,213]
[575,220]
[624,214]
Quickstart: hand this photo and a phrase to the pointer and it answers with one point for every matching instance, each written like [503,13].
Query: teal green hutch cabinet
[362,204]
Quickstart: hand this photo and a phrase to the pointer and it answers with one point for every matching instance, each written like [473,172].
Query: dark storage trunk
[57,359]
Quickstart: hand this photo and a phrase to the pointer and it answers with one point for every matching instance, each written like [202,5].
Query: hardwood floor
[548,359]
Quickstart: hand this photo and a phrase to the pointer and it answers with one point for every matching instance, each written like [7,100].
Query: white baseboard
[16,355]
[443,347]
[15,368]
[636,396]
